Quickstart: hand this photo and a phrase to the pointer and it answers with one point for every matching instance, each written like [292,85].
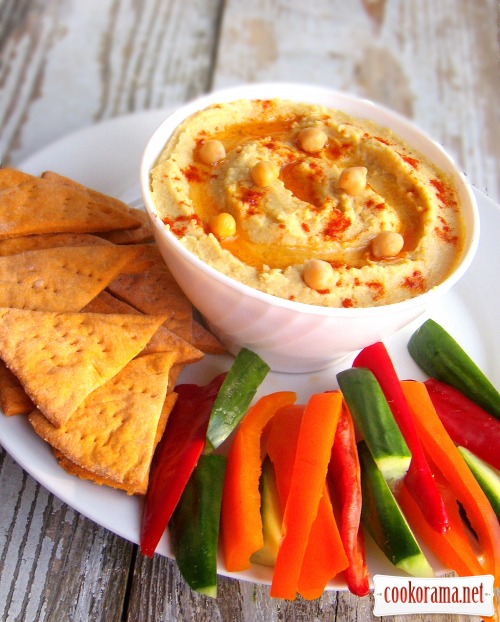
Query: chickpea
[387,244]
[353,180]
[317,274]
[211,151]
[312,139]
[264,173]
[223,225]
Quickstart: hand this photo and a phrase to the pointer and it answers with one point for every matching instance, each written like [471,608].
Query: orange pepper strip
[241,521]
[324,556]
[453,547]
[443,452]
[314,445]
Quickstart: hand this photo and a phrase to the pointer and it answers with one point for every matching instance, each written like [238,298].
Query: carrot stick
[241,521]
[443,452]
[307,484]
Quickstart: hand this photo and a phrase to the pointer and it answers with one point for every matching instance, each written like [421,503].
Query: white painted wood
[65,64]
[435,62]
[69,64]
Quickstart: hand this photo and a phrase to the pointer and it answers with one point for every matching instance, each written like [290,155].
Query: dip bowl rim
[310,93]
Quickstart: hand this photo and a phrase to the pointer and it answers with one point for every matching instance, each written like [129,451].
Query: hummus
[297,214]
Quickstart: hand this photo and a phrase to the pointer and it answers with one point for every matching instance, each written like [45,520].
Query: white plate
[106,157]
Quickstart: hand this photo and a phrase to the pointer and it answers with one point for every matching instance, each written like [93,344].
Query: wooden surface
[66,64]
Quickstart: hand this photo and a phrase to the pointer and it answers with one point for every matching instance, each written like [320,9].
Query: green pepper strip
[242,381]
[194,526]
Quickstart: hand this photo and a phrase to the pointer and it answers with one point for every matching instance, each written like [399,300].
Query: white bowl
[291,336]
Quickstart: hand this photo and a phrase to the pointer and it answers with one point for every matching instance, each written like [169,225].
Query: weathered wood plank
[66,65]
[56,565]
[436,63]
[158,593]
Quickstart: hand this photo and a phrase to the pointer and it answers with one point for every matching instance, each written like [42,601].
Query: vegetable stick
[241,521]
[444,453]
[317,432]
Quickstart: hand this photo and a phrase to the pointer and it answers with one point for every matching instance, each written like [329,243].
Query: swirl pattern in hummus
[305,213]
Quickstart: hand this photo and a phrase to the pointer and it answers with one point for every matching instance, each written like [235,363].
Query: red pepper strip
[306,489]
[176,457]
[443,453]
[345,475]
[468,424]
[418,478]
[241,520]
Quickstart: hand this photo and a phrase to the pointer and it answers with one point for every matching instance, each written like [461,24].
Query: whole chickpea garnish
[317,274]
[211,152]
[387,244]
[353,180]
[264,173]
[223,225]
[312,139]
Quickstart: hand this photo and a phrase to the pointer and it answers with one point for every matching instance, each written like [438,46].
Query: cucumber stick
[385,522]
[194,526]
[374,419]
[487,477]
[235,395]
[441,357]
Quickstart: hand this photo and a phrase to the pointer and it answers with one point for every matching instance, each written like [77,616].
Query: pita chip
[60,279]
[163,340]
[141,234]
[11,177]
[13,398]
[46,206]
[132,236]
[60,358]
[12,246]
[113,432]
[205,341]
[74,469]
[155,291]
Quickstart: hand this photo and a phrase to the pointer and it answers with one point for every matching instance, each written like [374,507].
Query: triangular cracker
[60,358]
[46,206]
[156,291]
[113,433]
[131,489]
[13,398]
[205,341]
[132,236]
[163,340]
[12,246]
[11,177]
[60,279]
[141,234]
